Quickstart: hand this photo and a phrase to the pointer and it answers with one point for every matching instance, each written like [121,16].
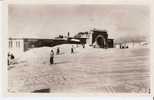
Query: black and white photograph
[78,48]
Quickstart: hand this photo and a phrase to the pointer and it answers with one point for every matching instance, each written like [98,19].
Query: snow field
[87,70]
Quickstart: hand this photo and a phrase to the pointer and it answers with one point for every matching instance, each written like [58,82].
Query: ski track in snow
[87,70]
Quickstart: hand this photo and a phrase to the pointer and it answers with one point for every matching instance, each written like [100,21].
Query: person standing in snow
[51,57]
[72,49]
[9,58]
[58,51]
[68,34]
[12,57]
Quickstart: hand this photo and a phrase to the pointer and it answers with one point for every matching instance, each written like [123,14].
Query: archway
[100,41]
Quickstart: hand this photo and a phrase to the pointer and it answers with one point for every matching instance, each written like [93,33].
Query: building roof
[99,30]
[34,36]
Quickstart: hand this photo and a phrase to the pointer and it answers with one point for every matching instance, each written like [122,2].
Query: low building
[18,44]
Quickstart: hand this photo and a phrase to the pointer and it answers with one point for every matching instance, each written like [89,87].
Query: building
[21,43]
[131,44]
[18,44]
[96,38]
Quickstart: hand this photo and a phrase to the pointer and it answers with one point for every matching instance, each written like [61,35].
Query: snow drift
[42,55]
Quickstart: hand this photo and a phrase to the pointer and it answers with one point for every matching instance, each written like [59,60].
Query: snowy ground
[87,70]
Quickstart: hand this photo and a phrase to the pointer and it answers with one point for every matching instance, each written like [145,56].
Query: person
[58,51]
[68,34]
[12,57]
[83,45]
[51,57]
[9,58]
[72,49]
[120,46]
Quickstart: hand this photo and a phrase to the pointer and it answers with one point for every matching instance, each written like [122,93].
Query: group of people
[57,53]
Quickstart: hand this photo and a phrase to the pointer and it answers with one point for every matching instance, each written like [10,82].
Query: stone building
[97,38]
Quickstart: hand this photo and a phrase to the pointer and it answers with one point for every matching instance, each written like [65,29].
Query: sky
[52,20]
